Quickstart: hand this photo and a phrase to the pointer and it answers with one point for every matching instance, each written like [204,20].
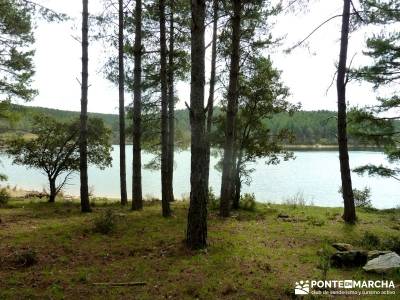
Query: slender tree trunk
[349,209]
[53,190]
[210,103]
[238,183]
[83,166]
[165,188]
[137,199]
[171,104]
[232,107]
[121,85]
[196,234]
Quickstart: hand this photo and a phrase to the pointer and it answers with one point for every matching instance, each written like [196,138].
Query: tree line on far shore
[309,128]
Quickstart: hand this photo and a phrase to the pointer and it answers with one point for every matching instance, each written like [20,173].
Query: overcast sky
[307,71]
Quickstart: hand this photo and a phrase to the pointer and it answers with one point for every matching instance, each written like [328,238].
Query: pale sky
[306,71]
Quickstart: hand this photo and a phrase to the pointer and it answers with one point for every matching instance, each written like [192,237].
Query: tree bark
[171,105]
[232,107]
[121,86]
[349,215]
[83,165]
[165,188]
[210,103]
[53,190]
[137,199]
[238,183]
[196,234]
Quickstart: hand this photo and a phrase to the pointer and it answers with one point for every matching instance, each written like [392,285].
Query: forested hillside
[309,127]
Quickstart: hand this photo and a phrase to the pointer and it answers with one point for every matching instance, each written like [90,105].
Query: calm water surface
[314,174]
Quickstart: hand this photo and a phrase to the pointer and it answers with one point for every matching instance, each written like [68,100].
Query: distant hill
[309,127]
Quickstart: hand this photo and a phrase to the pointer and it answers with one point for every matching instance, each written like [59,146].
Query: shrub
[248,202]
[4,197]
[25,258]
[213,200]
[370,240]
[392,243]
[296,200]
[362,198]
[105,223]
[324,262]
[314,221]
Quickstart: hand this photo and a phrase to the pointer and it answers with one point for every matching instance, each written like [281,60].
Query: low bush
[248,202]
[314,221]
[213,200]
[105,223]
[296,200]
[25,258]
[392,243]
[324,261]
[362,198]
[4,197]
[370,240]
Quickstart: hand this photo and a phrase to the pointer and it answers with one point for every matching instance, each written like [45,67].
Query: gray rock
[383,263]
[352,258]
[342,246]
[283,216]
[375,253]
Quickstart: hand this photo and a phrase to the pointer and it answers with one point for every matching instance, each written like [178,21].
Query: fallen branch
[120,283]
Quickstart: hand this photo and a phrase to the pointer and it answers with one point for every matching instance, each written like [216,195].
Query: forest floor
[51,251]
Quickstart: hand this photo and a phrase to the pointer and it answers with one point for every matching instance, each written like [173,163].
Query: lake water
[314,174]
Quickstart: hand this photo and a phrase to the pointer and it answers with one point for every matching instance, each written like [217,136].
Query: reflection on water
[314,174]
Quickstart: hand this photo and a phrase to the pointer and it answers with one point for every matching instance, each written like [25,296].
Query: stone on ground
[383,263]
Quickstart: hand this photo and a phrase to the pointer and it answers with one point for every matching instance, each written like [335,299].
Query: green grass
[252,255]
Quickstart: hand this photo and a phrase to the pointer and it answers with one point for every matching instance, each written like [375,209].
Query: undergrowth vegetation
[55,252]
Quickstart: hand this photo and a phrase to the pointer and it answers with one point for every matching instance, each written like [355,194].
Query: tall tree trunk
[171,104]
[137,199]
[83,165]
[121,85]
[165,188]
[53,190]
[196,234]
[238,183]
[349,209]
[232,107]
[210,103]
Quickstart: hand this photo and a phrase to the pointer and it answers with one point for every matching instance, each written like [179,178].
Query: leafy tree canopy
[377,123]
[54,149]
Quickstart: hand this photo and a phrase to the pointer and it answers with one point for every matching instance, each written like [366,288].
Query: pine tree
[213,77]
[232,106]
[171,102]
[376,124]
[137,200]
[83,143]
[196,234]
[349,214]
[165,183]
[242,40]
[121,90]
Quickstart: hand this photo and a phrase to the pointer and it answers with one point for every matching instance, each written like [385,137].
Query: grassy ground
[252,255]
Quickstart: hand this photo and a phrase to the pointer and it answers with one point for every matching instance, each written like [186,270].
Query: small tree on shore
[55,149]
[262,95]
